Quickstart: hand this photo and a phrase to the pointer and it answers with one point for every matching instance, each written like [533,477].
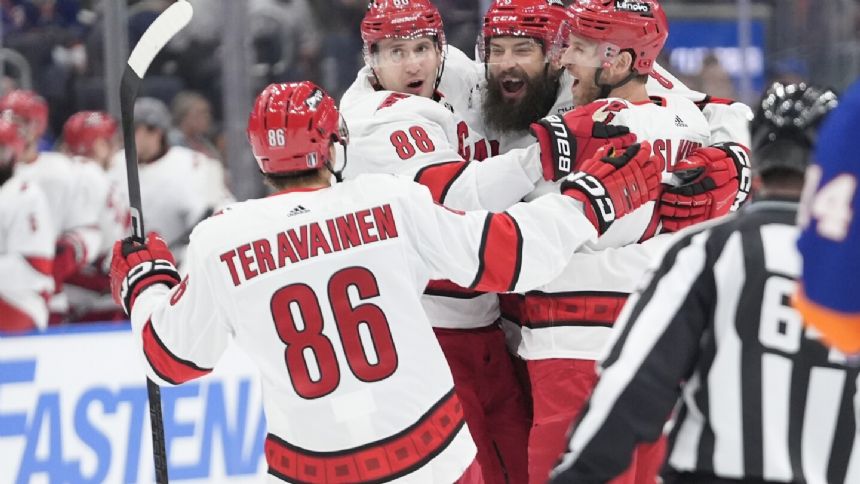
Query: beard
[503,115]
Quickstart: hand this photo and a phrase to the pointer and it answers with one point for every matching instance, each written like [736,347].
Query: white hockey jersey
[322,289]
[572,316]
[27,238]
[88,291]
[72,206]
[425,140]
[429,142]
[177,191]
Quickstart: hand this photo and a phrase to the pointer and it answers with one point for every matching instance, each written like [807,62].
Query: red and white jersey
[572,316]
[88,291]
[174,191]
[322,289]
[428,141]
[73,207]
[27,238]
[425,140]
[728,119]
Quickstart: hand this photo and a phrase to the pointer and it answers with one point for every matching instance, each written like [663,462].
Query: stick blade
[168,24]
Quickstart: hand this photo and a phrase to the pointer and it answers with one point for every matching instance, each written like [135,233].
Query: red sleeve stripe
[500,256]
[713,100]
[446,288]
[43,265]
[166,365]
[439,178]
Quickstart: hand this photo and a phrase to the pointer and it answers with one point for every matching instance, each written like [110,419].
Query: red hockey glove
[136,266]
[718,181]
[69,257]
[612,184]
[567,141]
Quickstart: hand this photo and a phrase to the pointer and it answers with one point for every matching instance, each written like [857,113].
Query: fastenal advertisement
[73,408]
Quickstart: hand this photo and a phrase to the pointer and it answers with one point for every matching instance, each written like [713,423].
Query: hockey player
[759,398]
[830,242]
[179,187]
[400,123]
[27,238]
[73,210]
[91,139]
[566,324]
[321,286]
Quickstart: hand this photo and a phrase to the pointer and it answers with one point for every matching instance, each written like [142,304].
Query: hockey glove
[612,184]
[717,180]
[137,266]
[70,256]
[565,141]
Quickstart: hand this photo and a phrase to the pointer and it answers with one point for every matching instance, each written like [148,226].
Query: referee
[759,398]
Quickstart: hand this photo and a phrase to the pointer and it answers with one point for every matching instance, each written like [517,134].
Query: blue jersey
[830,243]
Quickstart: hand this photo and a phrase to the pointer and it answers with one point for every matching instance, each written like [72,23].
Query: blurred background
[73,51]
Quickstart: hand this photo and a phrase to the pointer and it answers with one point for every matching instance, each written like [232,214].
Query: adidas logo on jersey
[680,122]
[297,210]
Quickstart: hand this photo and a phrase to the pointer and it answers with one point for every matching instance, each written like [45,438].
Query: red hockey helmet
[638,25]
[29,107]
[538,19]
[83,129]
[11,142]
[291,127]
[400,19]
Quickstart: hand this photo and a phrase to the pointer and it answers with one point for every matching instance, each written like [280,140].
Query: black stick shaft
[128,94]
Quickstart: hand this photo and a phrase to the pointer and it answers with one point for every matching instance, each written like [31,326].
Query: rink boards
[73,408]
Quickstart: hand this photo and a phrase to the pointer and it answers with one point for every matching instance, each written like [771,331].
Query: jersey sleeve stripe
[167,365]
[838,329]
[499,267]
[446,288]
[439,178]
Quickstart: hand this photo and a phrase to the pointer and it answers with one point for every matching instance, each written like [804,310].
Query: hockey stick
[171,21]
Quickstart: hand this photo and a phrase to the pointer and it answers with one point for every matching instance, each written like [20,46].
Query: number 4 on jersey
[830,206]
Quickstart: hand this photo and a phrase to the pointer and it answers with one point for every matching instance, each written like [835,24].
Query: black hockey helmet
[785,126]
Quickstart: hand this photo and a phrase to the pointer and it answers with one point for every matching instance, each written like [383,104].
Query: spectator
[192,116]
[178,186]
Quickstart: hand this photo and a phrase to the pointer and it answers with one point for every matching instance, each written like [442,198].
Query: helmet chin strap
[606,89]
[338,174]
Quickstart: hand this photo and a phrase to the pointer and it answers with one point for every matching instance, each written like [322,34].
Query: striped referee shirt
[758,396]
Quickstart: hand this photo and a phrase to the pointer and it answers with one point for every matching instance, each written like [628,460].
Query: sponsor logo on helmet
[632,6]
[504,18]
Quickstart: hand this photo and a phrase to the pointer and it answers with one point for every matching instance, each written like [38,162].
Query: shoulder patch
[391,99]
